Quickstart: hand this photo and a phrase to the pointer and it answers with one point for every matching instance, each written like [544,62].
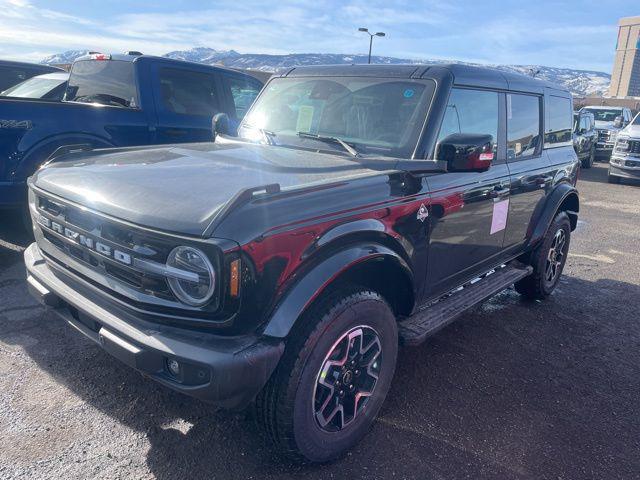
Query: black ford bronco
[360,208]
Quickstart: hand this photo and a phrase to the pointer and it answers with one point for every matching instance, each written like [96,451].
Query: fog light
[174,367]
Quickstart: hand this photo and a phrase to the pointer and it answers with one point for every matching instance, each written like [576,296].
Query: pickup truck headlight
[622,143]
[199,289]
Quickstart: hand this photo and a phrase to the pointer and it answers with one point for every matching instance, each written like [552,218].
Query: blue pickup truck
[117,101]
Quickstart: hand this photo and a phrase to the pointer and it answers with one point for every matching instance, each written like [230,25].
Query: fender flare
[564,193]
[302,294]
[30,161]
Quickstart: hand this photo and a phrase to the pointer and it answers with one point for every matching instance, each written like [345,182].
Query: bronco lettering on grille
[85,241]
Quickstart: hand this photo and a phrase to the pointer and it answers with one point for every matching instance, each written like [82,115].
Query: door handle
[499,192]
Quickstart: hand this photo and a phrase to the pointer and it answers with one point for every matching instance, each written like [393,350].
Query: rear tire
[547,260]
[297,408]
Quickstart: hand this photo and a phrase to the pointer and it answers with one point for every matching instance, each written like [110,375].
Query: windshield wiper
[337,140]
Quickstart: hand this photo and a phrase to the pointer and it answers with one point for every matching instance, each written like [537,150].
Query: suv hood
[179,188]
[632,131]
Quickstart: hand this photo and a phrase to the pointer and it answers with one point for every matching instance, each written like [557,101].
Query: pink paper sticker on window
[499,219]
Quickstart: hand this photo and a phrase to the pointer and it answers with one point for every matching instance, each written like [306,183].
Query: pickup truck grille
[603,135]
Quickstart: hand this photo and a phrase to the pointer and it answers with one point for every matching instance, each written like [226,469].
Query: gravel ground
[512,390]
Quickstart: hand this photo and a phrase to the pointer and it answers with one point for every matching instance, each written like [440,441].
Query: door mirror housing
[466,152]
[618,121]
[220,125]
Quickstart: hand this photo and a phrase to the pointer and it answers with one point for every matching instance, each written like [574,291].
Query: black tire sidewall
[560,222]
[314,443]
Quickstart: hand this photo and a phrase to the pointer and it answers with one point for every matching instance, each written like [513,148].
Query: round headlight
[191,260]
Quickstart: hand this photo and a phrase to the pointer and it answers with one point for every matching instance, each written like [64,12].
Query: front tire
[333,378]
[547,260]
[588,162]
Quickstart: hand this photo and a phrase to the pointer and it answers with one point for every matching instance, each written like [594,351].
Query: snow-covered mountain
[580,82]
[63,58]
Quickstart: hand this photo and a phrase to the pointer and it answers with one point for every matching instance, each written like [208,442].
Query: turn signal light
[234,280]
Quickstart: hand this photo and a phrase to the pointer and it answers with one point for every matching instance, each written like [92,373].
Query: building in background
[625,79]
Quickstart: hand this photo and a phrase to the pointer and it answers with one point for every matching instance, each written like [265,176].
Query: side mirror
[220,125]
[466,152]
[617,122]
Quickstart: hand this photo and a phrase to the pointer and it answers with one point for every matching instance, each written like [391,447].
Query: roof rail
[133,52]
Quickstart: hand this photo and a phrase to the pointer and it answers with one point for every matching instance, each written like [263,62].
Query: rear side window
[471,111]
[559,116]
[188,92]
[10,76]
[106,82]
[523,126]
[243,91]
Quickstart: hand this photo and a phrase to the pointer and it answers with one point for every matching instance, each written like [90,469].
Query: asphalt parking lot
[514,389]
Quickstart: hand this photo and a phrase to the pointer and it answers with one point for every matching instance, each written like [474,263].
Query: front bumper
[624,172]
[227,371]
[604,149]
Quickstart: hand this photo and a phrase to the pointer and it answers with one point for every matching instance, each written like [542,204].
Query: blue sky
[578,34]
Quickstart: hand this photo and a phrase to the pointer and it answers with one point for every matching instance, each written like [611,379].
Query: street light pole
[371,35]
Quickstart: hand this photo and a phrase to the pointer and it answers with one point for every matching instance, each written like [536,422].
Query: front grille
[134,272]
[603,135]
[116,236]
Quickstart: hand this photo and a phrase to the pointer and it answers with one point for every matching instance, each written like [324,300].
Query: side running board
[417,328]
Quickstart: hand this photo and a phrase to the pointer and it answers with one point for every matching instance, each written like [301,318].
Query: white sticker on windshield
[305,117]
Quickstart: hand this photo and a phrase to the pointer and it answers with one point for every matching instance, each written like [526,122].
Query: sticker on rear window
[408,93]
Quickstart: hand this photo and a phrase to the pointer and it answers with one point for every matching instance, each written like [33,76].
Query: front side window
[377,116]
[243,91]
[523,126]
[188,92]
[104,82]
[558,130]
[471,112]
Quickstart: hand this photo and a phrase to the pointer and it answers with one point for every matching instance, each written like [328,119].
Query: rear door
[186,100]
[530,169]
[469,208]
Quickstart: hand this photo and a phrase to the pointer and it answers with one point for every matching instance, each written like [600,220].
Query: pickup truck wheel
[333,378]
[547,260]
[588,162]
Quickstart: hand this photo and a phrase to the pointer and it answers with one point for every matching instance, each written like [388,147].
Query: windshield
[106,82]
[35,87]
[636,120]
[602,115]
[378,116]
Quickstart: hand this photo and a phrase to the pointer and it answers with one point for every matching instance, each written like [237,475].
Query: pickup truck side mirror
[466,152]
[617,122]
[220,125]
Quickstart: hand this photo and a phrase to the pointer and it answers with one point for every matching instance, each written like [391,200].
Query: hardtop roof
[470,75]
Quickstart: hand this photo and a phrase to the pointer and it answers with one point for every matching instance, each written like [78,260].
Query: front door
[469,209]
